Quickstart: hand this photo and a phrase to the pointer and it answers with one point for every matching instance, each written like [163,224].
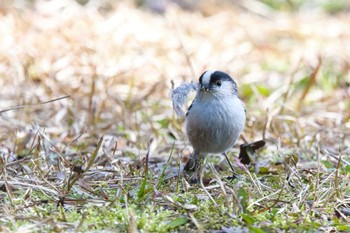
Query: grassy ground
[90,143]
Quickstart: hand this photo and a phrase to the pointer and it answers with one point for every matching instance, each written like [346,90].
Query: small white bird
[215,118]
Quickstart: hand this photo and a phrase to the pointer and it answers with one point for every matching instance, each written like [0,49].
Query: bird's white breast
[213,125]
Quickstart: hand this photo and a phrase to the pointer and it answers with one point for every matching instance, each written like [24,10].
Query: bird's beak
[205,88]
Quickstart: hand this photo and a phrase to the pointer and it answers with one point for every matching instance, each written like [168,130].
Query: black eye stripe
[201,77]
[221,76]
[216,76]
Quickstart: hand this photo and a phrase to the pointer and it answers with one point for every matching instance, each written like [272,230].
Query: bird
[215,119]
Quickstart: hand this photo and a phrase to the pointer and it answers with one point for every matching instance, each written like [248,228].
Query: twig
[312,81]
[28,105]
[15,183]
[336,178]
[205,190]
[71,180]
[195,221]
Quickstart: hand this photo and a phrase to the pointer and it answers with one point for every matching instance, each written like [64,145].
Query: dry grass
[115,63]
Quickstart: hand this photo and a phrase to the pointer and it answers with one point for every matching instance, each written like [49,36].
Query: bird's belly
[212,140]
[211,132]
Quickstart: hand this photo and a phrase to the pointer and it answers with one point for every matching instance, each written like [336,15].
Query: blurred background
[115,61]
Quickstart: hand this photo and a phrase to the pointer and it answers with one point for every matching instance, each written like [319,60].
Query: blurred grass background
[115,61]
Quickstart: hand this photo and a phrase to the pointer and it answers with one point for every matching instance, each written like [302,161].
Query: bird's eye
[218,83]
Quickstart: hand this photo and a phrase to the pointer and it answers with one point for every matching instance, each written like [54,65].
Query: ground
[90,142]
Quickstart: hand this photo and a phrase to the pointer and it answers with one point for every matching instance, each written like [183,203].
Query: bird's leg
[198,168]
[230,164]
[195,165]
[193,162]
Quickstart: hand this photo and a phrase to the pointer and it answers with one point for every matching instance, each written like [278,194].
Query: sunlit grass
[109,156]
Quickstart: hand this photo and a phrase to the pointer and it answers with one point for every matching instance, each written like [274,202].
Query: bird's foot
[190,165]
[194,171]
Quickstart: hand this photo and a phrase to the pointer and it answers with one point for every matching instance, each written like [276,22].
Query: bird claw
[190,165]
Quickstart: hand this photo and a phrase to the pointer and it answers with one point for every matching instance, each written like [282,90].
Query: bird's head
[217,83]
